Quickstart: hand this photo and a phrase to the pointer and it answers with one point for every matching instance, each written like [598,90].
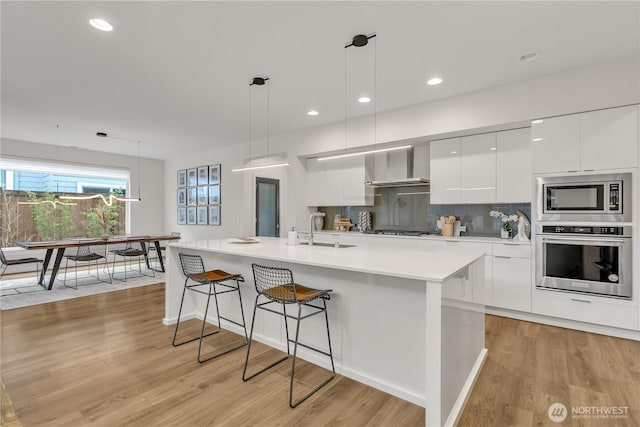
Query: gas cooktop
[398,232]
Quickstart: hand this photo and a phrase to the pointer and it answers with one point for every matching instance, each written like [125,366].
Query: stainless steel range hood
[396,169]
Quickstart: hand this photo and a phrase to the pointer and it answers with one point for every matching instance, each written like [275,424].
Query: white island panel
[390,326]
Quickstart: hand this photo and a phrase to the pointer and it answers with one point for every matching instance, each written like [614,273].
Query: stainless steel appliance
[583,198]
[587,259]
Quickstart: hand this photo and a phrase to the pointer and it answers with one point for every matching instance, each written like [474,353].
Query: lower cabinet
[586,308]
[511,283]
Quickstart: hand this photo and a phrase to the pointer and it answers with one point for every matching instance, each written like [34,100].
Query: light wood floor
[107,360]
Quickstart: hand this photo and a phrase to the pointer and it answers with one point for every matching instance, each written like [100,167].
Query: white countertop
[417,264]
[485,239]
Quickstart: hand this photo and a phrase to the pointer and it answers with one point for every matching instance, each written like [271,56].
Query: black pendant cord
[139,172]
[268,117]
[375,93]
[250,121]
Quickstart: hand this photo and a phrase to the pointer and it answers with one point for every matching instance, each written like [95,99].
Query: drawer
[585,308]
[511,250]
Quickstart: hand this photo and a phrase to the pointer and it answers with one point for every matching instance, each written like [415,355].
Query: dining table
[60,245]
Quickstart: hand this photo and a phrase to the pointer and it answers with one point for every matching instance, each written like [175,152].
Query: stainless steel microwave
[584,198]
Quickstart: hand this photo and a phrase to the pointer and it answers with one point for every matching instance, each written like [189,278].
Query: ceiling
[176,74]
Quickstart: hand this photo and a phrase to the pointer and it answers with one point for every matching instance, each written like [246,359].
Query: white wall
[145,217]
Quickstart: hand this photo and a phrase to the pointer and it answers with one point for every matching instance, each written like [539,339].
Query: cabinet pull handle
[589,170]
[572,171]
[500,256]
[580,300]
[452,241]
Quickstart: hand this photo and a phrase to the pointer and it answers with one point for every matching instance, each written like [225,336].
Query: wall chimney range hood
[398,171]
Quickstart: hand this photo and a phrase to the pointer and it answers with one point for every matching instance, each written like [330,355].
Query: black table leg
[159,253]
[45,265]
[56,267]
[146,254]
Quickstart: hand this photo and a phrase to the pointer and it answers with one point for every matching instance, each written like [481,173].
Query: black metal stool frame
[296,342]
[212,291]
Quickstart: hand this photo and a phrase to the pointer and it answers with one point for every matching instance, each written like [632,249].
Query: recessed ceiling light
[537,121]
[312,113]
[100,24]
[364,99]
[537,139]
[530,56]
[454,152]
[492,148]
[434,81]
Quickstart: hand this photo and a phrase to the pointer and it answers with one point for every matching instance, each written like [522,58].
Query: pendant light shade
[268,161]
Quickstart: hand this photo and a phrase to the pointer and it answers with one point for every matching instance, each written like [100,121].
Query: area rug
[24,292]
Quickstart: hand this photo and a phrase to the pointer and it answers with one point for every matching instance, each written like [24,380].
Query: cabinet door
[445,171]
[609,138]
[512,283]
[315,182]
[333,178]
[478,168]
[354,175]
[513,159]
[555,144]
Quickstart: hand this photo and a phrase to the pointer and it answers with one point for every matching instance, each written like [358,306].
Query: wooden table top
[68,243]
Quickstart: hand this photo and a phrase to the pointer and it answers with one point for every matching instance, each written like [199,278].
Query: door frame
[276,182]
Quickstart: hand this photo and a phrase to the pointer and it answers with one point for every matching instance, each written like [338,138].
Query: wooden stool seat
[298,293]
[213,276]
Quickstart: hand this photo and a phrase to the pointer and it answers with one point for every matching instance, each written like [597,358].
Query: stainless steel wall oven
[586,259]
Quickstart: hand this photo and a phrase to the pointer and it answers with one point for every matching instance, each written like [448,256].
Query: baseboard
[463,397]
[565,323]
[173,320]
[324,362]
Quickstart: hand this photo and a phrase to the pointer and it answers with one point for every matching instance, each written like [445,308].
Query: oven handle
[615,242]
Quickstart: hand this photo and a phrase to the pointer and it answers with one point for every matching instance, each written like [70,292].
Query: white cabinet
[604,139]
[484,168]
[339,182]
[586,308]
[513,166]
[555,144]
[445,171]
[478,168]
[609,138]
[511,277]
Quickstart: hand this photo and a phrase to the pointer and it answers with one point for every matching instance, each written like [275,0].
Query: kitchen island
[409,322]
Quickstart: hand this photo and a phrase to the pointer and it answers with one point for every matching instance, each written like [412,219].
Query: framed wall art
[214,194]
[202,215]
[214,174]
[192,177]
[191,215]
[182,216]
[203,175]
[182,197]
[203,198]
[182,178]
[192,198]
[214,215]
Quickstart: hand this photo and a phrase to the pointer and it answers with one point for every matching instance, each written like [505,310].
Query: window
[25,181]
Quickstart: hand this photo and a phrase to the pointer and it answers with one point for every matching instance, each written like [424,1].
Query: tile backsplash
[476,217]
[401,209]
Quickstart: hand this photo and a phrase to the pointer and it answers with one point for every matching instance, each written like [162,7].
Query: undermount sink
[331,245]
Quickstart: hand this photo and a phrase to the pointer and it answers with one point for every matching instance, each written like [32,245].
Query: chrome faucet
[313,215]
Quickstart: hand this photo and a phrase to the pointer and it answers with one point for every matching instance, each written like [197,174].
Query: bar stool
[193,269]
[277,286]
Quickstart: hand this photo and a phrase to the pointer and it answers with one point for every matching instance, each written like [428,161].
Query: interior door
[267,207]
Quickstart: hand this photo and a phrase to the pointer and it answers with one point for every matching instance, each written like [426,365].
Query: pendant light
[111,198]
[358,41]
[254,163]
[56,202]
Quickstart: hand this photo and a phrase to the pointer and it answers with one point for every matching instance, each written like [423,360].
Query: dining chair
[127,251]
[87,254]
[18,261]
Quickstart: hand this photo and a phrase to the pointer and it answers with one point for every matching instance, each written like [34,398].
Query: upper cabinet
[513,160]
[485,168]
[339,182]
[445,171]
[604,139]
[478,168]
